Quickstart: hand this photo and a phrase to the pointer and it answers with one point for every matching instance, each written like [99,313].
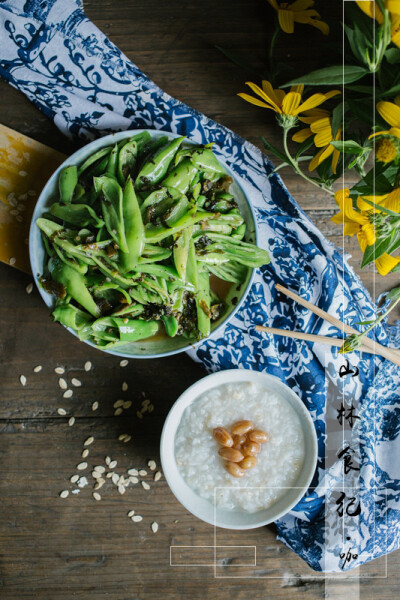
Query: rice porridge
[204,460]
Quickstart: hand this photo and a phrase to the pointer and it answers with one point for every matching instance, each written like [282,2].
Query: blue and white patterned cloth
[54,54]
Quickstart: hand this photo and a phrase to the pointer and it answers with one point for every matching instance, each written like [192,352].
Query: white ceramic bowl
[159,346]
[204,509]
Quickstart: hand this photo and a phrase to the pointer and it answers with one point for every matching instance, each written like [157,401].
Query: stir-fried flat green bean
[135,237]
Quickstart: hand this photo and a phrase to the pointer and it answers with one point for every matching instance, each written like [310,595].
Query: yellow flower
[390,111]
[287,105]
[393,6]
[321,127]
[358,222]
[385,150]
[298,12]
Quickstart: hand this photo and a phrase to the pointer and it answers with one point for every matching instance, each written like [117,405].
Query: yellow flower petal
[274,4]
[323,138]
[321,25]
[290,103]
[386,263]
[335,160]
[392,201]
[253,100]
[396,30]
[321,125]
[390,112]
[369,232]
[378,133]
[349,229]
[345,203]
[362,240]
[257,90]
[393,6]
[320,157]
[274,96]
[371,9]
[302,135]
[286,20]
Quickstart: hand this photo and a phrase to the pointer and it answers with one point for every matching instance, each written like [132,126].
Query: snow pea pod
[229,271]
[112,208]
[70,316]
[127,161]
[164,271]
[181,251]
[176,211]
[203,304]
[78,265]
[76,214]
[99,290]
[67,183]
[155,233]
[171,325]
[154,198]
[74,284]
[135,329]
[156,167]
[205,160]
[134,228]
[94,158]
[181,176]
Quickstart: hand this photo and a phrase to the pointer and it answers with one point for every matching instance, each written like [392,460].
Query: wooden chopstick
[310,337]
[388,353]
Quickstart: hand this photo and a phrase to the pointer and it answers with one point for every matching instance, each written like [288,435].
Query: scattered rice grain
[75,382]
[68,394]
[29,288]
[71,421]
[152,465]
[157,476]
[115,478]
[62,383]
[131,513]
[95,405]
[139,415]
[22,379]
[133,479]
[96,496]
[82,482]
[145,485]
[87,366]
[118,412]
[107,461]
[118,403]
[74,478]
[89,441]
[154,527]
[142,472]
[127,404]
[82,466]
[62,411]
[137,518]
[37,369]
[123,363]
[121,489]
[99,483]
[59,370]
[113,464]
[100,469]
[12,260]
[64,494]
[124,386]
[85,453]
[134,472]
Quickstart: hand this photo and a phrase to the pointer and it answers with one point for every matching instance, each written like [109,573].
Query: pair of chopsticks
[368,345]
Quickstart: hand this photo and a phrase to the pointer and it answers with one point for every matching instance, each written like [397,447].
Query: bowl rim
[220,378]
[85,150]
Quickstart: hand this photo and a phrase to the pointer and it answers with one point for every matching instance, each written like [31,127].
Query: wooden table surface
[55,548]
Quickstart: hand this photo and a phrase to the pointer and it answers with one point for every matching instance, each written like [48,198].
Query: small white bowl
[204,509]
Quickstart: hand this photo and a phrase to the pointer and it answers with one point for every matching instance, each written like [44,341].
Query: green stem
[379,319]
[295,165]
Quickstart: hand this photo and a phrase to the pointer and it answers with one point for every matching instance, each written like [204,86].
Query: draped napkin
[70,70]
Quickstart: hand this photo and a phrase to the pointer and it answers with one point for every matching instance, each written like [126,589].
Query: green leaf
[337,117]
[392,55]
[304,146]
[335,75]
[381,246]
[365,322]
[393,294]
[348,147]
[281,155]
[393,91]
